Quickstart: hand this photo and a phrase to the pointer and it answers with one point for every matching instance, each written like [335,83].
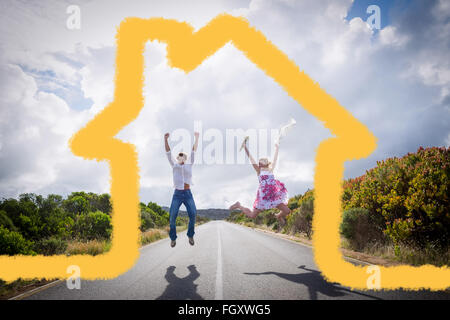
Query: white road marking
[219,283]
[35,290]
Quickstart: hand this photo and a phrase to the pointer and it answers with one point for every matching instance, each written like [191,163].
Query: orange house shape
[186,50]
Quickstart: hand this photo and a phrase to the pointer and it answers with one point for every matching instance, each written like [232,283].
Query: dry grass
[152,235]
[14,288]
[96,247]
[404,254]
[252,225]
[381,254]
[93,247]
[412,256]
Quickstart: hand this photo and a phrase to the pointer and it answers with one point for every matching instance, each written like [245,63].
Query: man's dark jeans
[182,197]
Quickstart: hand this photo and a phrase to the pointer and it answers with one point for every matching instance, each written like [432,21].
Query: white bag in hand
[284,129]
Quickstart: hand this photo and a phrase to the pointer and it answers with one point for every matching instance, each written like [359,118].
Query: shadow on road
[315,283]
[181,288]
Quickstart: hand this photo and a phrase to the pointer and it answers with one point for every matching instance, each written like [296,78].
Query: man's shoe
[191,241]
[173,243]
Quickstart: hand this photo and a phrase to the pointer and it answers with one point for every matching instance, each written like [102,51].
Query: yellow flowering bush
[409,194]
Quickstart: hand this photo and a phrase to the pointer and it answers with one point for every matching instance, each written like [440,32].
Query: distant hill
[213,214]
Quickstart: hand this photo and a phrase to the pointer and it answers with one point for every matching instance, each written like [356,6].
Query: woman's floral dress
[271,192]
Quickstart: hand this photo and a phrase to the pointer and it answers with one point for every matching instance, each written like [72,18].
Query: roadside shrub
[276,225]
[238,217]
[76,204]
[302,221]
[293,202]
[160,220]
[202,219]
[6,222]
[94,225]
[151,236]
[12,243]
[146,219]
[411,194]
[156,208]
[182,221]
[268,217]
[50,246]
[358,228]
[92,247]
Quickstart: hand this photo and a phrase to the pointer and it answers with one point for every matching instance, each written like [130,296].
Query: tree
[94,225]
[12,243]
[76,204]
[103,203]
[147,218]
[156,208]
[6,221]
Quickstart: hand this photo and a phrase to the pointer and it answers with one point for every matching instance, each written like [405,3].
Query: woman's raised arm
[252,161]
[275,156]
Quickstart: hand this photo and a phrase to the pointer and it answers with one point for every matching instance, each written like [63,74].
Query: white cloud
[35,129]
[390,37]
[447,141]
[98,77]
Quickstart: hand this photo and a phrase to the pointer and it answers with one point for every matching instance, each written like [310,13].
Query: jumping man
[182,180]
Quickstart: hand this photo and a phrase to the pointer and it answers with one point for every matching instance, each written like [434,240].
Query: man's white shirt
[182,173]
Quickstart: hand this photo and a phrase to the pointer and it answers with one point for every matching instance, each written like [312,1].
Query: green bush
[146,219]
[410,195]
[238,217]
[12,243]
[293,202]
[151,236]
[358,228]
[268,217]
[76,204]
[182,220]
[33,223]
[161,220]
[302,217]
[276,225]
[94,225]
[156,208]
[50,246]
[6,222]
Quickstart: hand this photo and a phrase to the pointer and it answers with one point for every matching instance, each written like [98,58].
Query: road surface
[228,261]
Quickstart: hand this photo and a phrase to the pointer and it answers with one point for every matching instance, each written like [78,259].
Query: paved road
[227,262]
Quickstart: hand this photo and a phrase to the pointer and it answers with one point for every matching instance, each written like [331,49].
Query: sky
[53,80]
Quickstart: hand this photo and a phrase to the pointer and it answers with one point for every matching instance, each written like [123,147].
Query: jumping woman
[271,192]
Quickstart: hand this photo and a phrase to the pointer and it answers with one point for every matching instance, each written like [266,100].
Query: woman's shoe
[173,243]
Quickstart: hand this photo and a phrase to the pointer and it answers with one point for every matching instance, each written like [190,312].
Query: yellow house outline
[186,50]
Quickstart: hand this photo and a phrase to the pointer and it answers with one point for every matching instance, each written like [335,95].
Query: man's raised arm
[195,146]
[168,153]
